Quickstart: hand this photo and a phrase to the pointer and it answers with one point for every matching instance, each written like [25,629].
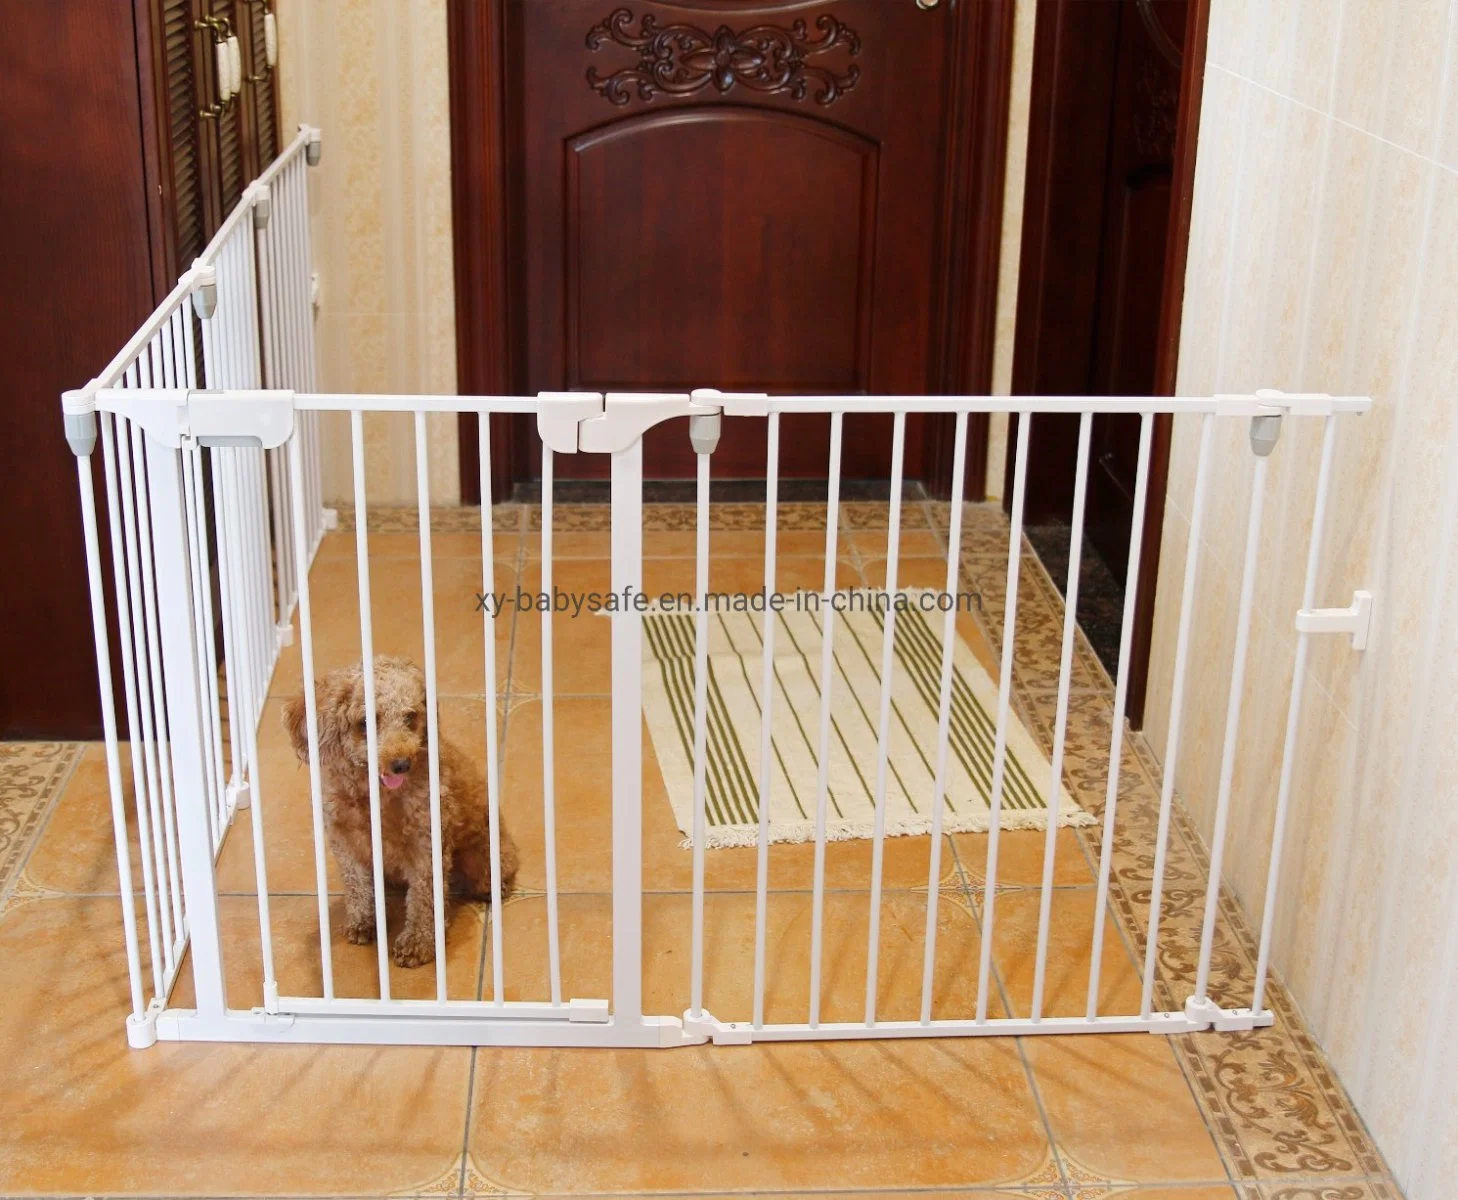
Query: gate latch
[1356,619]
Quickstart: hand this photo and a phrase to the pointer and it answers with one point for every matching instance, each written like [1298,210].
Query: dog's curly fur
[402,749]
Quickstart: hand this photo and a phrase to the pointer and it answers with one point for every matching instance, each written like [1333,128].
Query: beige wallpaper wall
[1324,256]
[1012,235]
[372,74]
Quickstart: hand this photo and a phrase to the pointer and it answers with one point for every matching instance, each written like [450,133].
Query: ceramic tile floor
[1256,1116]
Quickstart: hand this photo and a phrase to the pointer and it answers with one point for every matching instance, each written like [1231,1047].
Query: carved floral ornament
[681,59]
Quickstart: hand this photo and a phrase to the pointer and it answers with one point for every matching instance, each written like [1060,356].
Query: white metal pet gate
[167,423]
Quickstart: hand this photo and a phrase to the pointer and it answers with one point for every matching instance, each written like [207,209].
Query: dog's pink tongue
[391,781]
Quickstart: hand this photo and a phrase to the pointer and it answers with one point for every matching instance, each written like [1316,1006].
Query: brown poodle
[404,771]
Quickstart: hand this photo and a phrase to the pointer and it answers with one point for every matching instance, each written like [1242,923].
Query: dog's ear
[296,721]
[331,704]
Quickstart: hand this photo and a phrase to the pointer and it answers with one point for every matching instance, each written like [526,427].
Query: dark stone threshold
[1100,594]
[728,491]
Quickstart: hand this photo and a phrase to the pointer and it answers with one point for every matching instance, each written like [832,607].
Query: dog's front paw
[360,931]
[412,949]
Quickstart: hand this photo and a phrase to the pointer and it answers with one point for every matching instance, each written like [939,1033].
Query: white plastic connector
[241,418]
[314,149]
[204,290]
[176,416]
[560,415]
[627,416]
[1265,432]
[78,410]
[236,796]
[704,431]
[142,1030]
[723,1033]
[285,635]
[1204,1013]
[330,518]
[733,404]
[259,195]
[588,1012]
[1355,619]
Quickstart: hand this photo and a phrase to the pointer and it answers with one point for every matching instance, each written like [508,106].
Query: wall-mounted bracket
[1355,619]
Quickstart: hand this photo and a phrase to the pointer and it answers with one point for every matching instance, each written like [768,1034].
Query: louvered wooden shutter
[179,45]
[261,86]
[232,175]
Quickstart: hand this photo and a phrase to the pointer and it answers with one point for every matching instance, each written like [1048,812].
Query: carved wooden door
[743,196]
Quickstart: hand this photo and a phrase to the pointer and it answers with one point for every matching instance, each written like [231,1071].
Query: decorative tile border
[32,775]
[1268,1095]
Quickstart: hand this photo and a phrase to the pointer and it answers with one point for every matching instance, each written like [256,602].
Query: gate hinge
[178,417]
[1355,619]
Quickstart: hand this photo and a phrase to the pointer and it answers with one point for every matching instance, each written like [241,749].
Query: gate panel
[169,446]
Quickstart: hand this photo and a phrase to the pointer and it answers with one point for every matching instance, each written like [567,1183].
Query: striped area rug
[735,704]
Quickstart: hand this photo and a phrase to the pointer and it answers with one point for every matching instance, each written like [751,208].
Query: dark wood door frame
[488,337]
[1035,236]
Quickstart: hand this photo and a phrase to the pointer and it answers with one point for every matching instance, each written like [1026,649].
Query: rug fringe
[728,837]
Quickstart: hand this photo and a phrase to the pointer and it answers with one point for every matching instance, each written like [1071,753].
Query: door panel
[756,287]
[1101,149]
[730,195]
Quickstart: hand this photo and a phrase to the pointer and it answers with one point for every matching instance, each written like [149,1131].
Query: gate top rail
[306,142]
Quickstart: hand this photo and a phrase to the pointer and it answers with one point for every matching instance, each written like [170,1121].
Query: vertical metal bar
[149,802]
[215,725]
[278,505]
[1121,696]
[108,708]
[192,466]
[1293,715]
[883,732]
[1004,706]
[231,649]
[701,730]
[126,632]
[827,681]
[311,714]
[549,757]
[240,660]
[493,761]
[189,508]
[367,655]
[1176,712]
[1060,722]
[766,704]
[159,701]
[627,717]
[944,715]
[432,700]
[1232,725]
[184,711]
